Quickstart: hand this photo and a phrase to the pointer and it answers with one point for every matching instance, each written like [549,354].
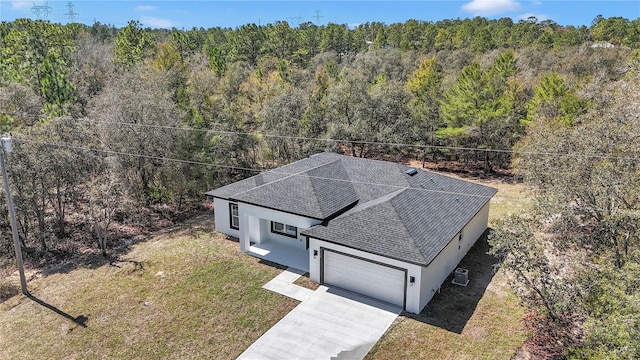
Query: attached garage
[380,281]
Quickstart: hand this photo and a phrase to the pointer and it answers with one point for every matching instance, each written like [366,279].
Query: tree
[27,44]
[442,40]
[470,107]
[247,43]
[554,102]
[105,198]
[281,115]
[168,57]
[584,216]
[132,45]
[90,67]
[613,30]
[217,60]
[482,41]
[47,175]
[132,111]
[19,106]
[411,36]
[614,328]
[425,85]
[344,101]
[55,87]
[483,108]
[522,251]
[309,42]
[282,41]
[333,39]
[363,112]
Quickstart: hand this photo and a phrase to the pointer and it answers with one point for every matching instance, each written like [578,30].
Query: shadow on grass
[119,245]
[453,306]
[272,264]
[80,320]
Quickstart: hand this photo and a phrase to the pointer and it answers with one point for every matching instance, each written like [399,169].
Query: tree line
[113,127]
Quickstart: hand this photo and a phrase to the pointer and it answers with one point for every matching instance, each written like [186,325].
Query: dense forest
[115,127]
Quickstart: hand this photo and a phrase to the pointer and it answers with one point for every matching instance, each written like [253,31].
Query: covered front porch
[274,236]
[276,252]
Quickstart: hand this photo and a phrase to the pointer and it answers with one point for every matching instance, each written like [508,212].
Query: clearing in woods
[188,292]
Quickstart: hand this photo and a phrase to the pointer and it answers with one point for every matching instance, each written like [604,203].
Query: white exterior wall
[446,262]
[267,235]
[413,291]
[437,272]
[255,226]
[473,230]
[222,221]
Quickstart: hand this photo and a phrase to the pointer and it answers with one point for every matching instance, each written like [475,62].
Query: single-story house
[378,228]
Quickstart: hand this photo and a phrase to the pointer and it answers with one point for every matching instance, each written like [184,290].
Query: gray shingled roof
[377,207]
[411,225]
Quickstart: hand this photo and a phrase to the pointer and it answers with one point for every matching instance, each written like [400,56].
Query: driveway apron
[330,324]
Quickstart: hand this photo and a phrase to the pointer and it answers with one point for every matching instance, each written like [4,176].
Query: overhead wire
[273,171]
[153,157]
[635,212]
[364,142]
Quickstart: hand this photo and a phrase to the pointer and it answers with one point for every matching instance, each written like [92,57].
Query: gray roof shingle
[377,207]
[411,225]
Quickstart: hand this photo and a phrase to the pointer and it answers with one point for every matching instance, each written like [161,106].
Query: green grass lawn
[189,293]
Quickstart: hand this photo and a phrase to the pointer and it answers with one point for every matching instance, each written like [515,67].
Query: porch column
[244,233]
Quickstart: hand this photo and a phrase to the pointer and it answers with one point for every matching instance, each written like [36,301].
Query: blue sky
[210,13]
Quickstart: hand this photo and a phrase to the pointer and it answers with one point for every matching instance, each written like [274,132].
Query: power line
[364,142]
[635,212]
[274,171]
[153,157]
[361,142]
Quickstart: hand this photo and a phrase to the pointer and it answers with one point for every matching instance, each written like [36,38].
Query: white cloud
[539,17]
[21,5]
[156,22]
[145,8]
[490,7]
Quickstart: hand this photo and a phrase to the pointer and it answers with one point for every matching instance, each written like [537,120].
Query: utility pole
[41,11]
[5,140]
[317,15]
[71,15]
[296,19]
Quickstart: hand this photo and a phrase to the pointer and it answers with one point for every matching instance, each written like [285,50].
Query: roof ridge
[378,200]
[286,177]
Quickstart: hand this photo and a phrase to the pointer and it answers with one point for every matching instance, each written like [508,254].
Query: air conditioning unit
[461,277]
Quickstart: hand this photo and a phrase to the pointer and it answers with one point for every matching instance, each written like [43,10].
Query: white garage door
[364,277]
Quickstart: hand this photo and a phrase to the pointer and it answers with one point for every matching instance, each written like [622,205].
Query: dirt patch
[8,290]
[306,282]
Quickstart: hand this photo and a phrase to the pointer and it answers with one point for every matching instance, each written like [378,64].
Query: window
[234,219]
[283,229]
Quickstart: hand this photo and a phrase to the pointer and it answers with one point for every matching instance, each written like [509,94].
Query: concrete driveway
[330,324]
